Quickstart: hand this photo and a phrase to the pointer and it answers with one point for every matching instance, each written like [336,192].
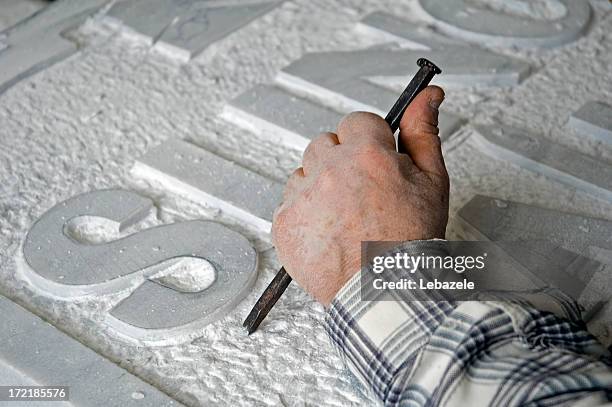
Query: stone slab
[352,85]
[37,42]
[42,355]
[356,84]
[186,27]
[274,113]
[277,114]
[346,88]
[511,23]
[361,82]
[498,220]
[558,245]
[175,277]
[202,176]
[462,64]
[460,67]
[544,156]
[594,119]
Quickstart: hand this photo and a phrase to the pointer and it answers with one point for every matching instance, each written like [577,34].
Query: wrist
[351,278]
[337,287]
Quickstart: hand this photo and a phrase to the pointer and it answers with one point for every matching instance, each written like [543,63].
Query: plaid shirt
[530,351]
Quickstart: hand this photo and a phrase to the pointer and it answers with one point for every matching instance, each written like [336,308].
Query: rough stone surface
[594,119]
[513,23]
[80,124]
[544,156]
[45,356]
[205,177]
[185,28]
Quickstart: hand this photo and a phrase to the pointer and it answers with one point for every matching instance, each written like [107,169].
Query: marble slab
[276,114]
[186,27]
[544,156]
[202,176]
[35,353]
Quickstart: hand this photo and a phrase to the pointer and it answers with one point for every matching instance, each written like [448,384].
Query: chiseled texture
[79,125]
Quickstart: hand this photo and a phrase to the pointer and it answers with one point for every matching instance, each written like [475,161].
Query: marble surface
[185,28]
[579,171]
[39,354]
[207,178]
[81,123]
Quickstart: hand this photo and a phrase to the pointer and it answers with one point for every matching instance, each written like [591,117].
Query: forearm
[470,353]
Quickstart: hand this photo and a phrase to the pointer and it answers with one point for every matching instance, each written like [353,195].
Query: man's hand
[353,187]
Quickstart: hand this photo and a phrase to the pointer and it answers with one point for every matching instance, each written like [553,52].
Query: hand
[354,187]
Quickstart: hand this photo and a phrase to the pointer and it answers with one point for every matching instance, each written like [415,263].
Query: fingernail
[435,103]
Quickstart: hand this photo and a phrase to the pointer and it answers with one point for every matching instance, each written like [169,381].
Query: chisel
[282,279]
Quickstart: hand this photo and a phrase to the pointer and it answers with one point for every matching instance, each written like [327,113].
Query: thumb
[419,131]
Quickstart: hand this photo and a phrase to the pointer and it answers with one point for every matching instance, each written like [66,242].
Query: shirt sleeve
[531,351]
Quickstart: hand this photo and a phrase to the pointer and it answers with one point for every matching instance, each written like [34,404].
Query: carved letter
[159,308]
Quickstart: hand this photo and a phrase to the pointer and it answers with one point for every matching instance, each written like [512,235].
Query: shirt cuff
[378,338]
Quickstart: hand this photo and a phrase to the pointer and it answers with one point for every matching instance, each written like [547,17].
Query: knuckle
[367,116]
[353,116]
[295,178]
[327,183]
[323,137]
[328,177]
[373,117]
[358,118]
[310,148]
[425,128]
[371,157]
[295,174]
[316,149]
